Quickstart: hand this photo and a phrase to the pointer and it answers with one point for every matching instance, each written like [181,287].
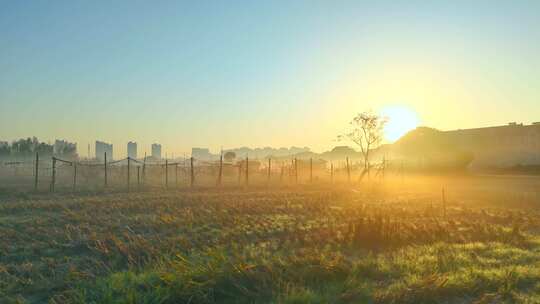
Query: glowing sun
[401,119]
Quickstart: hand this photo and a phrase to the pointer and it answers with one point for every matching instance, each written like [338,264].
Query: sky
[260,73]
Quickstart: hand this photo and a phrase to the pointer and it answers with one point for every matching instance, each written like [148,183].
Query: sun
[401,119]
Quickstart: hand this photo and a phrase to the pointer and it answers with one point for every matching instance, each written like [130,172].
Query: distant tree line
[24,149]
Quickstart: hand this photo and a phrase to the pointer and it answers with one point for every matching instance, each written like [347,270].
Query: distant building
[156,151]
[202,154]
[500,146]
[102,148]
[132,150]
[479,148]
[265,152]
[65,149]
[4,149]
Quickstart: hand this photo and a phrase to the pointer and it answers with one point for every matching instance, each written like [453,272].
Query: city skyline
[157,152]
[261,74]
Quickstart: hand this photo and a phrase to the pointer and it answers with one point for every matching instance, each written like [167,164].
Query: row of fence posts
[294,165]
[36,172]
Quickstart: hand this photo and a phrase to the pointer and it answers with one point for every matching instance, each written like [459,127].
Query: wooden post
[296,171]
[348,171]
[166,173]
[220,173]
[105,165]
[269,169]
[239,173]
[332,173]
[247,171]
[311,170]
[282,172]
[291,169]
[144,169]
[36,173]
[176,174]
[138,176]
[444,202]
[192,173]
[128,172]
[74,175]
[53,178]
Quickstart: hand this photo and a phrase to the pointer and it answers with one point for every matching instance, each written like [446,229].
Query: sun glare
[401,119]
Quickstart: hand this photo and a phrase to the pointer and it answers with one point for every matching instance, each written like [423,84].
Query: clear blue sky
[258,73]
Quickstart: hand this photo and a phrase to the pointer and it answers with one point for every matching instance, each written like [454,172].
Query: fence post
[144,169]
[331,173]
[36,172]
[166,173]
[128,172]
[192,173]
[53,179]
[247,171]
[176,174]
[105,165]
[269,169]
[311,170]
[282,172]
[295,171]
[138,176]
[74,175]
[444,202]
[239,174]
[220,174]
[291,168]
[348,171]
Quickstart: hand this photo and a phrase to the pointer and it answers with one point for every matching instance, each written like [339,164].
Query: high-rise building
[132,150]
[102,148]
[156,151]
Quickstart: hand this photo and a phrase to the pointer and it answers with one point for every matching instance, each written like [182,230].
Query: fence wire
[56,173]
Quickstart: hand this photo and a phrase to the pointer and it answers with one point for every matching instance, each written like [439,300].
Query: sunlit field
[269,152]
[459,239]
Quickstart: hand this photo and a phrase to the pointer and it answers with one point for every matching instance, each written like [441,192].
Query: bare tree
[366,131]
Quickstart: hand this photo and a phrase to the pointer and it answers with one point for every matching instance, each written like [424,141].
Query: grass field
[400,242]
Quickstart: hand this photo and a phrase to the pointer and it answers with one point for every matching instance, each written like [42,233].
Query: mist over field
[269,152]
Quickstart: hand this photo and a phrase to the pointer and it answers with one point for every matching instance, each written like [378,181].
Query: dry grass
[382,244]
